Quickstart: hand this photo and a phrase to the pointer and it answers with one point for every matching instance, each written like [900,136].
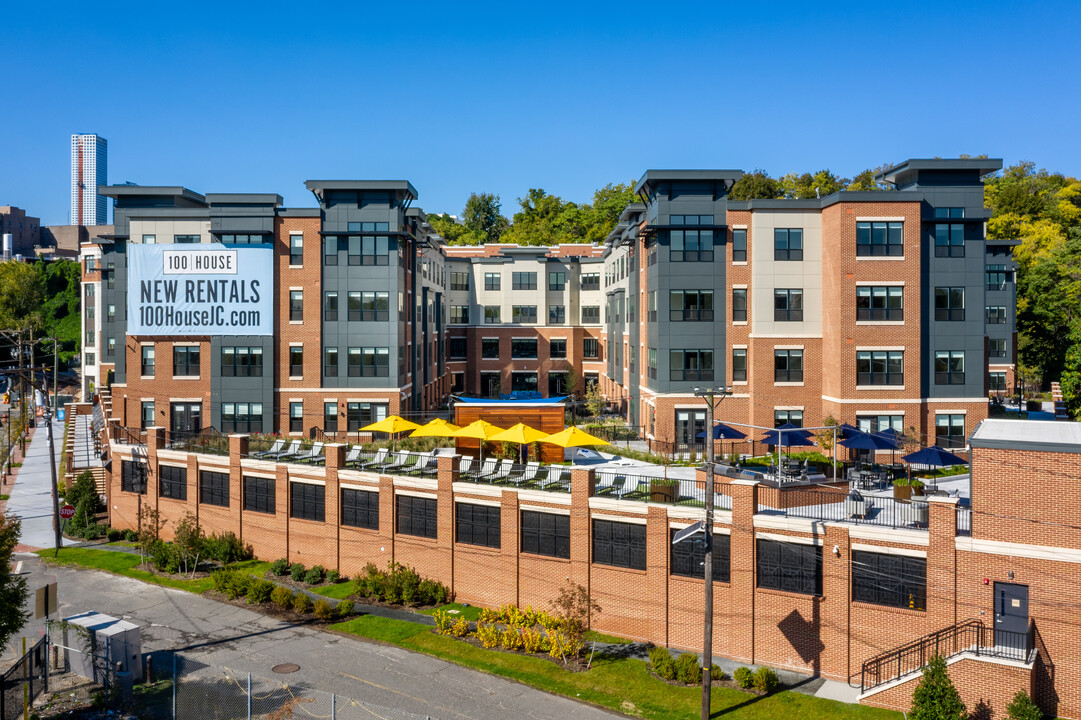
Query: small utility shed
[115,640]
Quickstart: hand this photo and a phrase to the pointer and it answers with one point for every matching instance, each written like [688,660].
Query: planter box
[902,492]
[663,492]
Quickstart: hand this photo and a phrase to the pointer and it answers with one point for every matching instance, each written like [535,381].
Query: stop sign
[67,512]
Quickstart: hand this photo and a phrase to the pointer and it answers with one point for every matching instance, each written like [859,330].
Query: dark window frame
[788,567]
[259,494]
[173,482]
[133,474]
[876,303]
[949,240]
[949,304]
[523,280]
[739,374]
[360,508]
[880,239]
[787,244]
[296,250]
[416,516]
[591,348]
[681,307]
[889,580]
[477,524]
[547,534]
[880,367]
[307,501]
[213,488]
[948,374]
[687,558]
[527,348]
[787,373]
[739,245]
[619,544]
[783,300]
[685,373]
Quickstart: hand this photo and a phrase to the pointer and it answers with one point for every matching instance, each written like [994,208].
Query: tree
[807,186]
[865,180]
[21,295]
[1071,376]
[1022,708]
[13,590]
[935,697]
[757,185]
[573,607]
[482,217]
[190,543]
[594,400]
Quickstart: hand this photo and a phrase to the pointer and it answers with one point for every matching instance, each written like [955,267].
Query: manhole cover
[285,668]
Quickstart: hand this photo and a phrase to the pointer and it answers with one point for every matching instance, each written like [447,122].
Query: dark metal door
[1011,616]
[187,417]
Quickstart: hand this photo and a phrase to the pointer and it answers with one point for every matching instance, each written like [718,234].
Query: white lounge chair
[313,453]
[275,448]
[293,449]
[379,459]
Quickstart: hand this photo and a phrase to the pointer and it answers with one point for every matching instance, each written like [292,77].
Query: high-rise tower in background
[89,169]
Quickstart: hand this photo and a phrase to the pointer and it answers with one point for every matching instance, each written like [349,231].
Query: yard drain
[285,668]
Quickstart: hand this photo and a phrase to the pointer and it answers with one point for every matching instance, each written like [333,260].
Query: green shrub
[112,535]
[296,571]
[259,591]
[1022,708]
[131,536]
[443,621]
[302,603]
[232,583]
[688,671]
[280,567]
[744,677]
[936,698]
[314,576]
[324,610]
[83,494]
[716,673]
[344,609]
[163,557]
[333,576]
[662,664]
[282,597]
[370,582]
[399,584]
[94,531]
[765,680]
[227,548]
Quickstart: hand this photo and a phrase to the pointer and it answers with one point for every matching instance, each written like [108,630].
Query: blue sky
[500,97]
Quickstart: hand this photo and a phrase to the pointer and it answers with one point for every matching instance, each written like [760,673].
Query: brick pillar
[238,450]
[583,487]
[741,620]
[657,544]
[281,503]
[446,476]
[155,440]
[942,561]
[334,454]
[386,520]
[193,487]
[509,528]
[835,603]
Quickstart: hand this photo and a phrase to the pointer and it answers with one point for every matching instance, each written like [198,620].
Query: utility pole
[707,641]
[50,419]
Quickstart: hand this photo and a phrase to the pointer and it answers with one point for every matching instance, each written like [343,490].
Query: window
[330,307]
[739,305]
[489,348]
[691,365]
[373,250]
[997,277]
[110,276]
[691,245]
[146,414]
[619,544]
[524,281]
[792,567]
[241,417]
[456,348]
[949,240]
[491,314]
[249,239]
[459,281]
[880,367]
[790,417]
[787,366]
[557,348]
[690,305]
[739,245]
[375,306]
[787,244]
[997,381]
[591,348]
[296,417]
[416,515]
[296,361]
[296,249]
[949,431]
[296,305]
[949,212]
[891,580]
[546,534]
[996,314]
[524,314]
[307,502]
[374,362]
[133,476]
[149,240]
[880,303]
[330,251]
[878,423]
[458,382]
[361,414]
[214,488]
[242,362]
[186,239]
[739,365]
[330,362]
[353,305]
[880,239]
[185,362]
[949,303]
[148,361]
[360,508]
[523,349]
[787,305]
[689,556]
[996,347]
[259,494]
[110,312]
[173,482]
[950,367]
[557,281]
[492,281]
[477,524]
[557,314]
[591,281]
[459,314]
[591,314]
[690,220]
[110,346]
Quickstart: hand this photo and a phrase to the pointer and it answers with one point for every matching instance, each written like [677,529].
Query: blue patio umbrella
[793,430]
[844,430]
[788,439]
[722,432]
[867,441]
[895,435]
[934,456]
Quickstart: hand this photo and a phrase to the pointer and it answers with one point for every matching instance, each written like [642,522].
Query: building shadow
[804,635]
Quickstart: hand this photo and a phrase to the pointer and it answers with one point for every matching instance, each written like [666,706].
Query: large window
[146,414]
[949,240]
[459,281]
[787,417]
[892,580]
[416,515]
[591,314]
[492,281]
[739,305]
[489,348]
[787,244]
[360,508]
[330,251]
[361,414]
[997,277]
[242,417]
[374,361]
[214,488]
[296,249]
[557,314]
[691,365]
[591,348]
[375,306]
[259,494]
[546,534]
[330,307]
[690,305]
[619,544]
[186,239]
[173,482]
[330,417]
[739,365]
[524,314]
[296,305]
[949,303]
[788,305]
[997,381]
[878,423]
[133,476]
[459,314]
[369,250]
[330,362]
[307,501]
[996,314]
[524,281]
[880,239]
[557,281]
[491,315]
[739,245]
[557,348]
[996,347]
[688,557]
[950,367]
[147,368]
[457,347]
[296,417]
[591,281]
[880,367]
[690,220]
[880,303]
[186,362]
[477,524]
[787,366]
[792,567]
[242,362]
[691,245]
[523,348]
[296,361]
[949,430]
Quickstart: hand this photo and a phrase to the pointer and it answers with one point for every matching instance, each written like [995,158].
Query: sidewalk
[31,497]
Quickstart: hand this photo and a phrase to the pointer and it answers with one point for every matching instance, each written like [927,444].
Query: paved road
[31,497]
[246,641]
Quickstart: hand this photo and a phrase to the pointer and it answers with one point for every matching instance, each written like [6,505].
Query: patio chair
[614,488]
[409,462]
[553,479]
[528,474]
[486,468]
[425,465]
[465,466]
[392,461]
[313,453]
[856,505]
[293,449]
[502,472]
[275,448]
[379,459]
[642,489]
[353,456]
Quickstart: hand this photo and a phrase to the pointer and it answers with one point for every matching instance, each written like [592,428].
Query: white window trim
[880,283]
[880,219]
[866,258]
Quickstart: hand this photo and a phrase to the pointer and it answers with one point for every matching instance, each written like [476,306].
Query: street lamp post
[709,395]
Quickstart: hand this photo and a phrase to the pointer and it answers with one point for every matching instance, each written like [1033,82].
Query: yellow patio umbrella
[390,424]
[521,434]
[573,437]
[437,427]
[480,430]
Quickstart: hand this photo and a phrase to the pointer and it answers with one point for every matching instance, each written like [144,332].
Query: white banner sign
[200,290]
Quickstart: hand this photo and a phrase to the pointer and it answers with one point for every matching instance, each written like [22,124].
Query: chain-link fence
[209,692]
[24,680]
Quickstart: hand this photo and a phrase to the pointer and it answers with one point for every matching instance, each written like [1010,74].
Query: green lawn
[470,613]
[124,564]
[622,685]
[338,591]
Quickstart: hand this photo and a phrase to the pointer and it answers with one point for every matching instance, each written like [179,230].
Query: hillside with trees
[44,297]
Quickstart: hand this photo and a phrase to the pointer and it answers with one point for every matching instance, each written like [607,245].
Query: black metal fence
[841,506]
[28,677]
